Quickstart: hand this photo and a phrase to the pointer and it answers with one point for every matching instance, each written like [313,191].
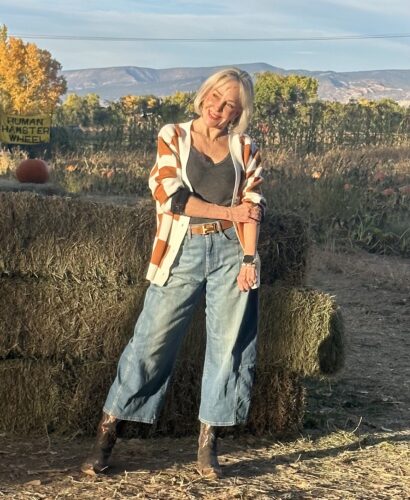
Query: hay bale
[65,320]
[86,241]
[278,402]
[83,396]
[283,247]
[47,189]
[179,416]
[30,397]
[332,348]
[75,239]
[71,275]
[43,396]
[39,397]
[301,330]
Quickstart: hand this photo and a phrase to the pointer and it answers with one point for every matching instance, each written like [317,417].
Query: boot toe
[210,472]
[92,468]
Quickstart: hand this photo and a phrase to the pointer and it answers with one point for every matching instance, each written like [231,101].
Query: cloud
[213,19]
[177,18]
[390,8]
[305,52]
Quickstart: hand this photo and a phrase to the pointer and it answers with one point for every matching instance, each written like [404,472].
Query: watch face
[248,259]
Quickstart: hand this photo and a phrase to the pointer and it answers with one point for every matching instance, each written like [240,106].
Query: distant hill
[112,83]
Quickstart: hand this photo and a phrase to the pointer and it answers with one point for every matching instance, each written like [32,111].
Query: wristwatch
[248,260]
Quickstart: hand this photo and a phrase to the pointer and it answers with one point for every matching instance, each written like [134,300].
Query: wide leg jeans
[209,264]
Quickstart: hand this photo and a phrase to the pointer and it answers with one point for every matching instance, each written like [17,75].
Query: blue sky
[220,19]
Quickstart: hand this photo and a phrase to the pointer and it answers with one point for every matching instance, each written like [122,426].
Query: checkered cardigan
[169,175]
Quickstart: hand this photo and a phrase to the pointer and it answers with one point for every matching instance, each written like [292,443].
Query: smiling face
[221,105]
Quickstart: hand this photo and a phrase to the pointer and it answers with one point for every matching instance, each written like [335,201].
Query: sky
[216,19]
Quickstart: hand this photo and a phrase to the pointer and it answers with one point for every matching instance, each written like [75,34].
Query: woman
[206,186]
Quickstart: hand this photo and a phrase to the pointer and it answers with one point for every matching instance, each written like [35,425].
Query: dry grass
[348,197]
[109,172]
[353,197]
[340,465]
[385,270]
[10,160]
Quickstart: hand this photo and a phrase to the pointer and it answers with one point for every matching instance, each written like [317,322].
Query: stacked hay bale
[71,287]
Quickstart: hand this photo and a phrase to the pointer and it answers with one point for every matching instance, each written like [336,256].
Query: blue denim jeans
[207,264]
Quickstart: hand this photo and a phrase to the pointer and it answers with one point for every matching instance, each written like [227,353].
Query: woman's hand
[247,277]
[245,212]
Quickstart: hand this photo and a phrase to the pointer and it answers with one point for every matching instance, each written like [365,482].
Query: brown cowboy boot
[97,461]
[208,465]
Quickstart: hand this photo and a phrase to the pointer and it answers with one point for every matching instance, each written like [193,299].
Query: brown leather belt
[210,227]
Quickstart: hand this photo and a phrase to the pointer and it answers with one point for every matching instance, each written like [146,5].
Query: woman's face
[221,105]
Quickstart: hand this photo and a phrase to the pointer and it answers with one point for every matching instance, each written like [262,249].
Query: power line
[212,40]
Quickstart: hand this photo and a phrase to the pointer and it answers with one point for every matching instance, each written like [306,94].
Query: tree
[29,79]
[277,93]
[178,107]
[85,111]
[130,105]
[280,114]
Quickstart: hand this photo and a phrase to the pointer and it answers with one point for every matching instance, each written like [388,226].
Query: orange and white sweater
[169,175]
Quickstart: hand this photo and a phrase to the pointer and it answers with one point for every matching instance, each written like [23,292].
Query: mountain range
[112,83]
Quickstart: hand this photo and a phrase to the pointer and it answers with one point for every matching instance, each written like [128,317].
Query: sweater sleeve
[179,200]
[251,190]
[165,178]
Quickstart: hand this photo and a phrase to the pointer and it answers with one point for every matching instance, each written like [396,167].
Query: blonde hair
[246,94]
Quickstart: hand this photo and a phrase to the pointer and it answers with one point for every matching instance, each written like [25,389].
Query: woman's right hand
[245,212]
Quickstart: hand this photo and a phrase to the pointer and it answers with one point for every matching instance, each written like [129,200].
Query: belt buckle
[208,228]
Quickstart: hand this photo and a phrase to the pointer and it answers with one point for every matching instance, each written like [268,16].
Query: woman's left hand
[247,278]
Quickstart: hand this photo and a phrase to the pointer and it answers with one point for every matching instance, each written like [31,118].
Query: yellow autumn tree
[29,79]
[130,104]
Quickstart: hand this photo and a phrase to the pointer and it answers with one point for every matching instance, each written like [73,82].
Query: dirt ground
[355,442]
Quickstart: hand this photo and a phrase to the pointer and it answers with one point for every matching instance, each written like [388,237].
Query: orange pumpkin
[33,170]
